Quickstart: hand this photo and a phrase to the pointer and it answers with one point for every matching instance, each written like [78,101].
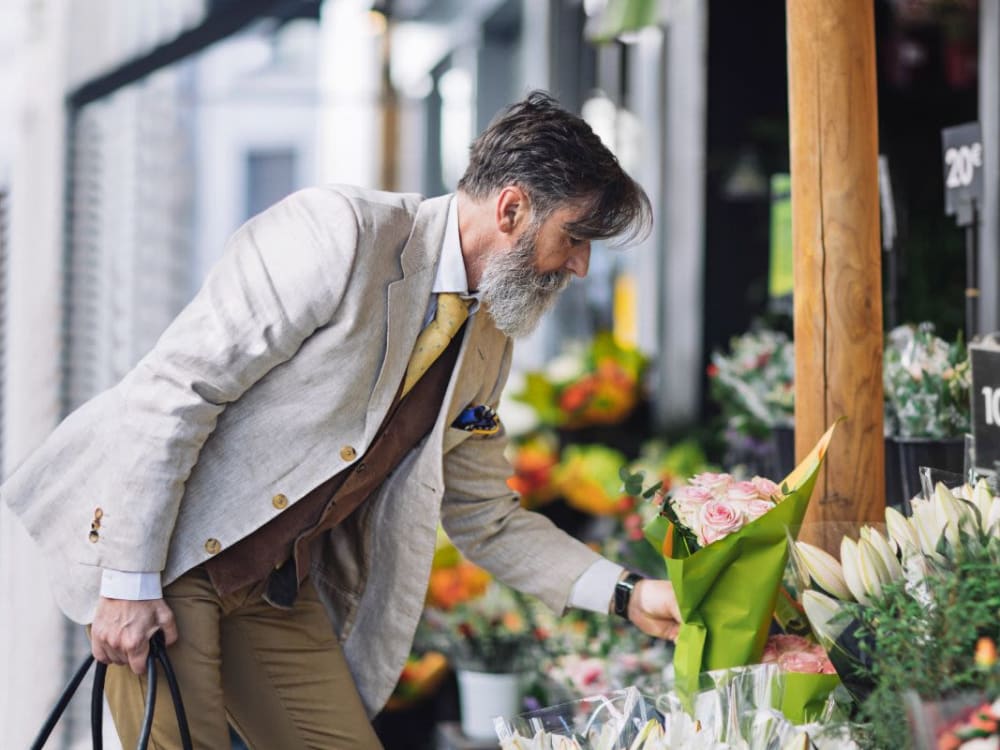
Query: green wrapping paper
[804,695]
[726,592]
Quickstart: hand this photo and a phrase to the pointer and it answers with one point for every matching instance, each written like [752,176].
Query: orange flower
[986,652]
[450,586]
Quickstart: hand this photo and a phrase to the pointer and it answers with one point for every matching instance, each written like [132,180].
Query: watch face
[623,593]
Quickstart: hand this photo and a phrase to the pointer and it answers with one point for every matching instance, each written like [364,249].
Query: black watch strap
[623,593]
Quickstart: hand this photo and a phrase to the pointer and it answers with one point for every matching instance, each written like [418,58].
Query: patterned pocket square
[479,420]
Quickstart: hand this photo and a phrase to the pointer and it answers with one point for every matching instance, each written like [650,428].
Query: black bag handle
[157,653]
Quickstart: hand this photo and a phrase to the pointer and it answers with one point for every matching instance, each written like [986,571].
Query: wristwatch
[623,593]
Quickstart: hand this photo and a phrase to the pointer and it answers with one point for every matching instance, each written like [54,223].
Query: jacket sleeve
[485,520]
[281,278]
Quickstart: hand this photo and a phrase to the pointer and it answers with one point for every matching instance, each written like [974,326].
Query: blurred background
[137,135]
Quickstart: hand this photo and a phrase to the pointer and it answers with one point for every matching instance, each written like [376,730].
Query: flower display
[588,478]
[494,632]
[926,382]
[977,729]
[534,460]
[599,383]
[914,609]
[587,653]
[754,382]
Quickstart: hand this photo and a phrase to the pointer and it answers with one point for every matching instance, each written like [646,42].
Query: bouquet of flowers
[926,382]
[808,674]
[727,588]
[754,383]
[596,384]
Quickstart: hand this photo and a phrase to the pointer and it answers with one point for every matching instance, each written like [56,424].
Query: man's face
[520,284]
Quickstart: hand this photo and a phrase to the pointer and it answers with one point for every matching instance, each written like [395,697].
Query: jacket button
[279,501]
[213,546]
[348,453]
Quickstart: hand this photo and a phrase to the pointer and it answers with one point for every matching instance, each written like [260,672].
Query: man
[265,486]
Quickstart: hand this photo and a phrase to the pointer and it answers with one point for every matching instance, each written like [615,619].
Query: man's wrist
[624,590]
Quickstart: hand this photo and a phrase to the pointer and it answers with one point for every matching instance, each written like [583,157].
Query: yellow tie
[452,311]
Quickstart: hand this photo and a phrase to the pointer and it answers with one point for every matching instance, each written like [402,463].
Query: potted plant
[491,640]
[926,382]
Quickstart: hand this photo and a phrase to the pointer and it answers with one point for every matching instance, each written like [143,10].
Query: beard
[515,293]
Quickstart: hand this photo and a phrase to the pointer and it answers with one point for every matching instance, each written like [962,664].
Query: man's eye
[575,241]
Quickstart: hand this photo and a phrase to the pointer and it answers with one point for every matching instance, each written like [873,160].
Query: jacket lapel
[407,301]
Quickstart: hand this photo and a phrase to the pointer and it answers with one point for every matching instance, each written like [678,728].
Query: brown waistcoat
[288,535]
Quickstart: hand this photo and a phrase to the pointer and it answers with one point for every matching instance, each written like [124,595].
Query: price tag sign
[963,171]
[984,357]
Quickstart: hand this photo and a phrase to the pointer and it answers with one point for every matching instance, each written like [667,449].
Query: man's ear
[512,209]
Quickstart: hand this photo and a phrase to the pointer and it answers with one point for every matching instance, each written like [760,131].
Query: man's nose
[579,262]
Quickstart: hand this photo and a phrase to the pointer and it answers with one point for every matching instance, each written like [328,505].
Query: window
[270,177]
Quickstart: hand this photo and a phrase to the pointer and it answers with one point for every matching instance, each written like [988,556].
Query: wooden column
[838,279]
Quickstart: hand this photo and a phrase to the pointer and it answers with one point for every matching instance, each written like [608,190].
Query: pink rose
[687,502]
[692,496]
[787,642]
[742,492]
[756,508]
[717,484]
[718,518]
[766,488]
[802,661]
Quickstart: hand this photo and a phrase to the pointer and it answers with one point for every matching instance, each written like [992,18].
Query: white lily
[901,532]
[650,736]
[982,498]
[871,568]
[927,526]
[821,610]
[991,521]
[950,512]
[881,545]
[825,570]
[851,565]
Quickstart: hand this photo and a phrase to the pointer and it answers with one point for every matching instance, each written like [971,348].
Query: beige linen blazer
[273,378]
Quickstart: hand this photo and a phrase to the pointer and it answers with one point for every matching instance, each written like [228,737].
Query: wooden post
[838,278]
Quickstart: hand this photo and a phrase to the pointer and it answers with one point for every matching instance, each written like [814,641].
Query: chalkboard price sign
[963,171]
[985,360]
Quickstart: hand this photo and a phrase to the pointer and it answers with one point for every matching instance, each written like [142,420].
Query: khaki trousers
[278,676]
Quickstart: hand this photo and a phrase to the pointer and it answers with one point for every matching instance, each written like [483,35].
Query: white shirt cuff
[119,584]
[595,588]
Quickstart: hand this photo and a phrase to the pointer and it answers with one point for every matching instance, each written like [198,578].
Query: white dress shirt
[591,591]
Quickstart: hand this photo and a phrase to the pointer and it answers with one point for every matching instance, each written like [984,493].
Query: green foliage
[922,636]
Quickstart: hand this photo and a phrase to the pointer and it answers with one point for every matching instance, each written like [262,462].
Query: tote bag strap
[157,653]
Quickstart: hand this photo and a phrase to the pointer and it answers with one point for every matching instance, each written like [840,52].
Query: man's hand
[653,608]
[122,628]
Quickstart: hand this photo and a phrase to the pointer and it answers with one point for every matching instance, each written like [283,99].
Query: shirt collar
[451,275]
